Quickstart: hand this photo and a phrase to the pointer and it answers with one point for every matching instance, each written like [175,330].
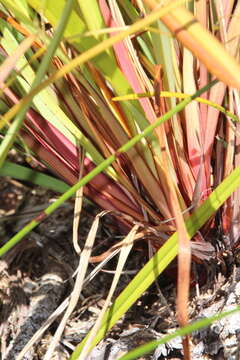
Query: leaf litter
[37,282]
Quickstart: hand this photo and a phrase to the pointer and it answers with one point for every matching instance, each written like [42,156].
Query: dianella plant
[137,103]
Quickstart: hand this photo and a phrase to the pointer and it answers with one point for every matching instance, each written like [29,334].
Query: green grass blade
[53,11]
[23,173]
[101,167]
[90,54]
[179,95]
[15,126]
[163,257]
[92,14]
[144,349]
[19,8]
[46,102]
[134,290]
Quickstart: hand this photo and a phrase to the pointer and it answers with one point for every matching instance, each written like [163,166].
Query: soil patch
[37,276]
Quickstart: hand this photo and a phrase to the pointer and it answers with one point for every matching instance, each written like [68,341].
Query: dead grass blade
[9,63]
[125,250]
[19,28]
[201,43]
[83,265]
[36,337]
[191,112]
[87,55]
[77,209]
[202,16]
[184,257]
[76,219]
[130,64]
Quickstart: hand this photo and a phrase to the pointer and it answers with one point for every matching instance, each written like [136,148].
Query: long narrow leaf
[87,55]
[12,132]
[99,169]
[26,174]
[163,257]
[147,348]
[201,43]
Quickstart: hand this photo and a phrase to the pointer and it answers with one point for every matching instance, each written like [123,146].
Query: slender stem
[20,116]
[98,169]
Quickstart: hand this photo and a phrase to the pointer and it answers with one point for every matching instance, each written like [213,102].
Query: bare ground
[36,277]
